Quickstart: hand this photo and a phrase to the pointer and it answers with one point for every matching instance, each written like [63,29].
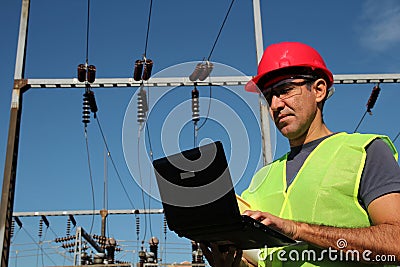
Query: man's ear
[321,90]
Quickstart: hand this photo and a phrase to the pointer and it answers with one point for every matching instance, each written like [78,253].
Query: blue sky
[354,37]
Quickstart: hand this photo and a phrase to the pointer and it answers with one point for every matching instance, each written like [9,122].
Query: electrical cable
[394,140]
[208,109]
[220,30]
[87,31]
[148,28]
[359,123]
[141,186]
[149,204]
[41,244]
[54,233]
[147,130]
[90,177]
[15,234]
[194,134]
[151,158]
[30,236]
[143,99]
[371,102]
[105,197]
[113,163]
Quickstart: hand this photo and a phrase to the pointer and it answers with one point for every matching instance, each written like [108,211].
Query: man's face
[293,106]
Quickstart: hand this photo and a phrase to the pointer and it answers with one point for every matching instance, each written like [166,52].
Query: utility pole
[10,168]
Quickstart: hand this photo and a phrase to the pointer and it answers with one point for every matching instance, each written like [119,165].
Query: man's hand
[288,227]
[216,258]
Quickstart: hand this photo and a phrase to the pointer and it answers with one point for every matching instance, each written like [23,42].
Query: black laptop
[200,204]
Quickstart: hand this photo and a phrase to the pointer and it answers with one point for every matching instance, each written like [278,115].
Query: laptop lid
[200,202]
[196,188]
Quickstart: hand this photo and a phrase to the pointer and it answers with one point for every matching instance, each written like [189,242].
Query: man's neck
[310,135]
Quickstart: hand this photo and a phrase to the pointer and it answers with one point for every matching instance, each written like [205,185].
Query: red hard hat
[288,58]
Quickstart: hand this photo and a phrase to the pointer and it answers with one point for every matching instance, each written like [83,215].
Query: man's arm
[383,238]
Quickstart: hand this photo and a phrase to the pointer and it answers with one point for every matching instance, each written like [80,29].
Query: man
[338,193]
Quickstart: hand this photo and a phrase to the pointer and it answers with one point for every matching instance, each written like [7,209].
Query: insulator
[195,105]
[71,217]
[92,102]
[208,67]
[196,72]
[373,97]
[165,226]
[12,228]
[86,109]
[142,106]
[148,66]
[81,72]
[137,72]
[137,227]
[68,231]
[91,73]
[40,228]
[71,250]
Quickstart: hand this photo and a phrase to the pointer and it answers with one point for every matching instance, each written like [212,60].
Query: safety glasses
[286,88]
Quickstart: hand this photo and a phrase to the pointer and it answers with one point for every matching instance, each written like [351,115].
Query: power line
[30,236]
[359,123]
[141,185]
[220,30]
[148,28]
[208,109]
[394,140]
[112,162]
[90,177]
[371,103]
[87,31]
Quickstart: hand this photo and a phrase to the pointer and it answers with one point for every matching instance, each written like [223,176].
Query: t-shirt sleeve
[381,174]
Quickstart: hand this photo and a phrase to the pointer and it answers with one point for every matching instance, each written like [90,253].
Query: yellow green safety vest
[324,192]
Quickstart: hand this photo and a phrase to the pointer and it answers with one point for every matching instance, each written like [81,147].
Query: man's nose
[276,103]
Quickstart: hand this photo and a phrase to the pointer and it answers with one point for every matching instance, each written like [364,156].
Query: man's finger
[208,254]
[229,257]
[238,258]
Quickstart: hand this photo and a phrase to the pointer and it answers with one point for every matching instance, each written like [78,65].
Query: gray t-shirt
[381,174]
